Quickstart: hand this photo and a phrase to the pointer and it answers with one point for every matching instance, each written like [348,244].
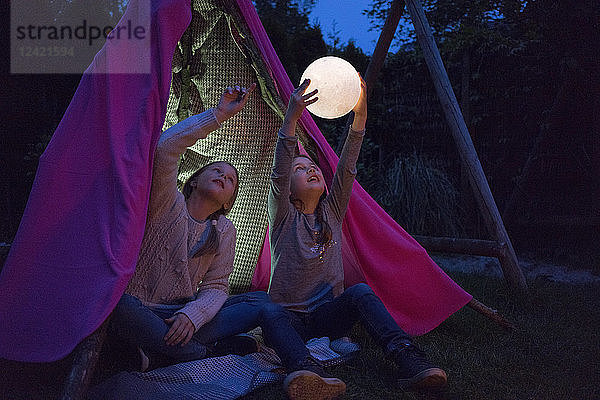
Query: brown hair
[325,237]
[211,245]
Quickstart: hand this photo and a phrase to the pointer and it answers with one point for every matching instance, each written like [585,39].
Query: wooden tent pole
[476,247]
[379,54]
[492,314]
[86,355]
[510,266]
[383,44]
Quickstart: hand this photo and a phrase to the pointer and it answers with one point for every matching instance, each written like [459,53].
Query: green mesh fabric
[207,61]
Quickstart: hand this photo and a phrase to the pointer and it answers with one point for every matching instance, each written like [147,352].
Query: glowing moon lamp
[338,84]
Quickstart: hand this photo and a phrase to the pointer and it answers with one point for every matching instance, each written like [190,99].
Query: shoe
[309,382]
[241,345]
[307,385]
[415,371]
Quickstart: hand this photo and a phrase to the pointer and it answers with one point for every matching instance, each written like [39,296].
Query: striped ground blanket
[219,378]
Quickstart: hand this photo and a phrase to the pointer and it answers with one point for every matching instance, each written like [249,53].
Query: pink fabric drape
[81,232]
[377,251]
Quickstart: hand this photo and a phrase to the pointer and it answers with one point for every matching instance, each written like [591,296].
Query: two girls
[176,304]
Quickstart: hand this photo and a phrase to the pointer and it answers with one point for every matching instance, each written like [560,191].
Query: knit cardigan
[165,274]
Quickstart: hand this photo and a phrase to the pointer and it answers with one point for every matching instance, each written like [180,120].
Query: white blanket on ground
[218,378]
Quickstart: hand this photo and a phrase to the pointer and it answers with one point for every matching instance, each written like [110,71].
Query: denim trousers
[336,317]
[145,327]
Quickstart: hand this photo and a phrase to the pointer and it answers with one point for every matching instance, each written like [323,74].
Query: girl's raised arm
[279,191]
[175,140]
[345,173]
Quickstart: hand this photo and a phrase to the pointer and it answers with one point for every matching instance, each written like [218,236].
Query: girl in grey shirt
[305,233]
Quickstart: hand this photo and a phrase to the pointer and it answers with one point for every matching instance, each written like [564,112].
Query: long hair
[211,245]
[325,237]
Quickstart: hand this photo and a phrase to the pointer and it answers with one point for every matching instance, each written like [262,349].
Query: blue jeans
[336,317]
[143,326]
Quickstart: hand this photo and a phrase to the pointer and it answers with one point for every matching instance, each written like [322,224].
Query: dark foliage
[526,76]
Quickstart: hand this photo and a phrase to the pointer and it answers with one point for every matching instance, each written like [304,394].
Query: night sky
[349,21]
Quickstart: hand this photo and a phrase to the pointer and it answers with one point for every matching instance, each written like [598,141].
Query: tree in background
[527,77]
[296,42]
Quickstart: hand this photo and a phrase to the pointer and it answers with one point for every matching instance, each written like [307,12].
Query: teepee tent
[89,242]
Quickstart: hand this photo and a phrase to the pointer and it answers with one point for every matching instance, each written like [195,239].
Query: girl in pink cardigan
[176,305]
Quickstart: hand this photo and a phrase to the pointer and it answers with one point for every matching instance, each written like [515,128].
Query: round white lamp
[338,84]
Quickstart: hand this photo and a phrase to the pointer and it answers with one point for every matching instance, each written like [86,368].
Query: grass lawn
[554,354]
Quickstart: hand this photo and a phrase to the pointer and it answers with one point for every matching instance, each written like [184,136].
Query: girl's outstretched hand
[232,101]
[298,102]
[360,109]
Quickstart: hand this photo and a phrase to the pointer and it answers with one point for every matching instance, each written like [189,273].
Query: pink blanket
[377,251]
[81,232]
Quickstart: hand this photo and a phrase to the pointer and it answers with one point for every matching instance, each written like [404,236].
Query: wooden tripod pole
[510,266]
[85,358]
[379,54]
[492,314]
[383,44]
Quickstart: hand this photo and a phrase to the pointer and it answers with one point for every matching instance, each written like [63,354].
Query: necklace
[320,248]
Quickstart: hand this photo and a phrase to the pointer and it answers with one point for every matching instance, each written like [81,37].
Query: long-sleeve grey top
[305,275]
